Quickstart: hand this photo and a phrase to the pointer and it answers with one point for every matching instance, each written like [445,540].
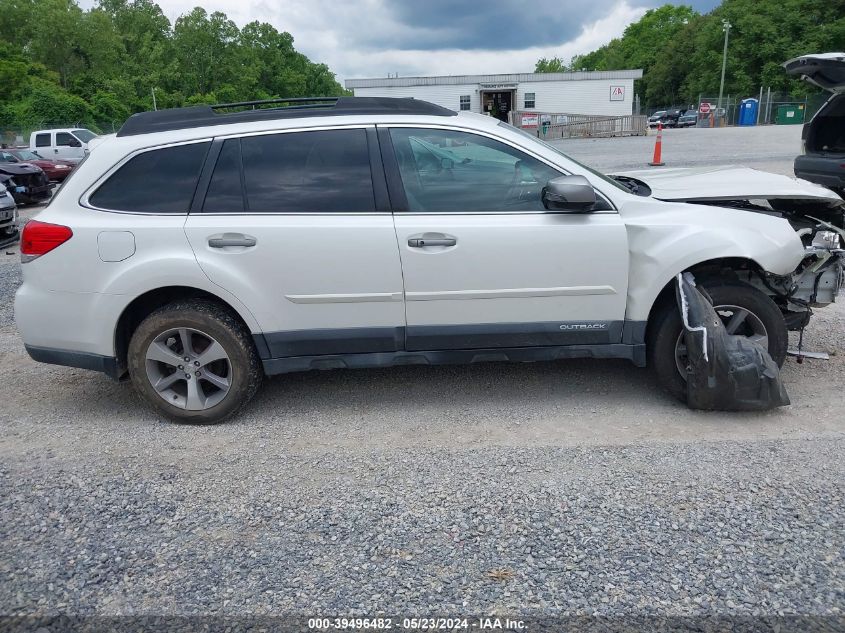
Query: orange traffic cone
[658,147]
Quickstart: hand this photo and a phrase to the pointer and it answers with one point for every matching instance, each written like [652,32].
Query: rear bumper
[78,322]
[83,360]
[824,170]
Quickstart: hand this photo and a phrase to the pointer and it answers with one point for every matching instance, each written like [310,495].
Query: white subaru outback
[202,248]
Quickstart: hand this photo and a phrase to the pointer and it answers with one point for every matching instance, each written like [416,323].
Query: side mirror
[446,163]
[75,143]
[569,193]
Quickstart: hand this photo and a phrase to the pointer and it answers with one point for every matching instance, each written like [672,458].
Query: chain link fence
[16,135]
[774,108]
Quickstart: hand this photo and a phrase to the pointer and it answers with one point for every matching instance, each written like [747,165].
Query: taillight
[39,238]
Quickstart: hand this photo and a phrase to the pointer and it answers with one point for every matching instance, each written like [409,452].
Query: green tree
[680,51]
[60,64]
[552,65]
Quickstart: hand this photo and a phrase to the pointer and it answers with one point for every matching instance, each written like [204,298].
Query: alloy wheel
[188,369]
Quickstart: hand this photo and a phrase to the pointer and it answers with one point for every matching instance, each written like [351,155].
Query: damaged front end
[820,275]
[725,372]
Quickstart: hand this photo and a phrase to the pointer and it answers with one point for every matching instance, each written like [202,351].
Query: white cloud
[353,63]
[337,34]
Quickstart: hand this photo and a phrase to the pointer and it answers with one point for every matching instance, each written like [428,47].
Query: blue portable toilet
[748,111]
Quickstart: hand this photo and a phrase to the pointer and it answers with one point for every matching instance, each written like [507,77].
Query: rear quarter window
[156,181]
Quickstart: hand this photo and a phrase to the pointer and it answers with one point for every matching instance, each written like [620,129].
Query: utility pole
[726,27]
[154,94]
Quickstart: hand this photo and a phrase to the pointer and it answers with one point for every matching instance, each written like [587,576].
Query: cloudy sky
[371,38]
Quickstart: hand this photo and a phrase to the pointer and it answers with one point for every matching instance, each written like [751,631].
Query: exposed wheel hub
[738,320]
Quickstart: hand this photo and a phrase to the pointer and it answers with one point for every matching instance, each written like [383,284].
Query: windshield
[84,135]
[25,154]
[604,177]
[6,157]
[661,113]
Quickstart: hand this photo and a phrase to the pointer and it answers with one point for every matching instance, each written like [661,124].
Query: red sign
[530,120]
[704,108]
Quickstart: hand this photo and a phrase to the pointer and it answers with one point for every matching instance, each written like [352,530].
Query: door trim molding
[510,293]
[361,297]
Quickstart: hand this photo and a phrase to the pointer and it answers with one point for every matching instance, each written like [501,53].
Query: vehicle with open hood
[224,243]
[823,137]
[25,181]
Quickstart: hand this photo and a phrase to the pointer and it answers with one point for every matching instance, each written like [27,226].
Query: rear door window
[324,171]
[42,140]
[225,191]
[158,181]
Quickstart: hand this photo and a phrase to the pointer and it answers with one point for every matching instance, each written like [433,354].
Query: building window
[529,100]
[464,102]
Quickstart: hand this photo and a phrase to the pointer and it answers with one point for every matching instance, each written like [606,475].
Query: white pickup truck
[69,144]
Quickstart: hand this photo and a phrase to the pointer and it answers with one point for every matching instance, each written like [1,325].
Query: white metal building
[595,92]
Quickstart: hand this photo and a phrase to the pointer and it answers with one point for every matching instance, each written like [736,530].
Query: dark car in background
[27,183]
[688,119]
[823,137]
[657,117]
[56,170]
[669,118]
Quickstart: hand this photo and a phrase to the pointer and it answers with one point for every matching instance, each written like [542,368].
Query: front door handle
[420,242]
[231,239]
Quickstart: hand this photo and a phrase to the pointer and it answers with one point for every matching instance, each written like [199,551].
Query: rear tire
[666,326]
[194,362]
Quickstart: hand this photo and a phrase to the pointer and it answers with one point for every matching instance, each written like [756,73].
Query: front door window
[450,171]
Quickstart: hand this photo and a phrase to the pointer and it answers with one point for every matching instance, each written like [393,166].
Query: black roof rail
[297,107]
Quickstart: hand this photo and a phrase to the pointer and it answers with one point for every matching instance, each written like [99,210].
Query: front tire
[730,298]
[194,362]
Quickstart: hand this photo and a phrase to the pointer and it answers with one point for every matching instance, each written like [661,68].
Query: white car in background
[197,251]
[69,144]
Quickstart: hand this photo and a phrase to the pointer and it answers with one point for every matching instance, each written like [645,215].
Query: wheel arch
[720,268]
[146,303]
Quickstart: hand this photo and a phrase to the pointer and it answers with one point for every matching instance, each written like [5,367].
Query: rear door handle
[232,240]
[420,242]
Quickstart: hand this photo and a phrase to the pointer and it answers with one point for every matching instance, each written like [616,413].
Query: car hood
[727,183]
[825,70]
[18,168]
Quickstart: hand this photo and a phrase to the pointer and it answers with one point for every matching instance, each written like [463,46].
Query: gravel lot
[535,489]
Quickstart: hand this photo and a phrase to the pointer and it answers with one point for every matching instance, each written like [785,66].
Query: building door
[498,104]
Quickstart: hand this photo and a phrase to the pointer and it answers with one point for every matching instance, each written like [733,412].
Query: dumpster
[748,112]
[790,114]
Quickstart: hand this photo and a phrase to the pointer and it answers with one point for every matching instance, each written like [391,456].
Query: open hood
[728,182]
[825,70]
